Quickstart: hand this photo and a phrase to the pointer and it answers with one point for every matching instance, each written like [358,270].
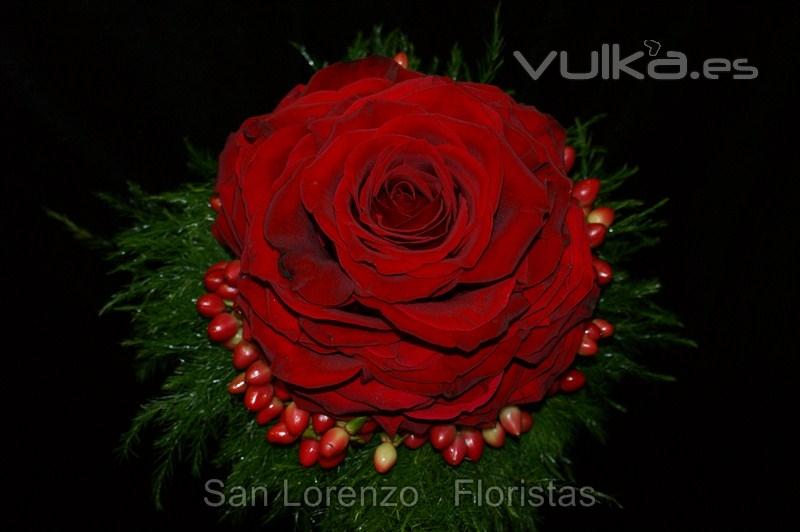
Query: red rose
[409,246]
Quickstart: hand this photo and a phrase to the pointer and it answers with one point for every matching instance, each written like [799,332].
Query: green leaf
[493,60]
[78,232]
[315,64]
[383,44]
[200,162]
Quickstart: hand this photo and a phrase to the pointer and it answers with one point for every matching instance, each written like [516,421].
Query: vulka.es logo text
[609,63]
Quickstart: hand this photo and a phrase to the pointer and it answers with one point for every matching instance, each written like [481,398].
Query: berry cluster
[598,224]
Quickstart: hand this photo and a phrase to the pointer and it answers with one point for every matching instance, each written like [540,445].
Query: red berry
[209,305]
[232,271]
[510,419]
[213,279]
[495,436]
[295,418]
[322,422]
[281,391]
[455,452]
[257,397]
[588,347]
[308,453]
[368,427]
[223,327]
[603,271]
[244,355]
[585,191]
[237,384]
[226,291]
[401,59]
[442,436]
[259,373]
[278,433]
[601,215]
[329,462]
[572,381]
[527,421]
[215,202]
[596,233]
[606,327]
[333,442]
[569,158]
[414,441]
[269,412]
[591,330]
[385,457]
[474,443]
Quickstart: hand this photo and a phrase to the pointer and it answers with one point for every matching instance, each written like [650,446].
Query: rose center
[404,199]
[401,206]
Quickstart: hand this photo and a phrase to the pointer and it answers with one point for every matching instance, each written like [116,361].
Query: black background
[99,93]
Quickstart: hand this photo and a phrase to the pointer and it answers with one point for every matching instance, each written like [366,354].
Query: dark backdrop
[103,92]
